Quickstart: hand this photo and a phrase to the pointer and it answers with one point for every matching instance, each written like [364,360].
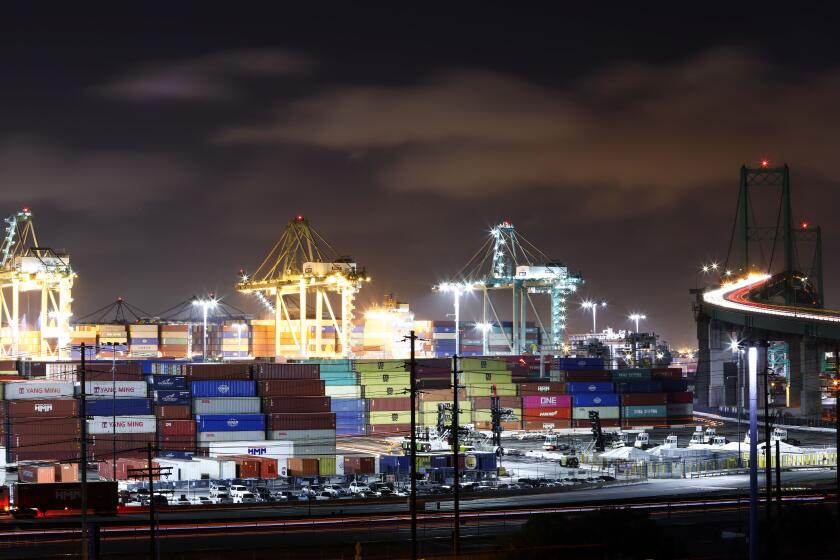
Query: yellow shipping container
[377,378]
[432,406]
[389,417]
[487,390]
[486,377]
[384,391]
[380,365]
[326,465]
[474,364]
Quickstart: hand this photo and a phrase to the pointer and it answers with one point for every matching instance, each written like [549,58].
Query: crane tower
[26,267]
[303,265]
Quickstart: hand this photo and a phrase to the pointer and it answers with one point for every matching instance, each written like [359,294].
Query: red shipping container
[49,426]
[529,414]
[632,399]
[634,422]
[263,372]
[303,421]
[37,408]
[548,424]
[177,428]
[388,429]
[67,472]
[290,388]
[541,387]
[686,397]
[587,375]
[359,465]
[605,423]
[45,453]
[36,473]
[37,440]
[385,405]
[217,371]
[183,443]
[295,404]
[484,403]
[173,412]
[298,466]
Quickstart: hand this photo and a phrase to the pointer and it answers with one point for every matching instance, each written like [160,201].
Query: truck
[62,496]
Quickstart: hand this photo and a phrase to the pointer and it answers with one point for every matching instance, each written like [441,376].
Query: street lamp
[484,328]
[456,288]
[205,304]
[593,306]
[637,317]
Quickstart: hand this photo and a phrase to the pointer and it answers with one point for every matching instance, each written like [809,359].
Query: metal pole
[457,320]
[837,423]
[752,359]
[114,410]
[778,482]
[83,465]
[204,338]
[768,467]
[456,543]
[152,508]
[595,318]
[739,382]
[413,457]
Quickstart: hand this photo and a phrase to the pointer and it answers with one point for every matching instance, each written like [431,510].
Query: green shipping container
[486,377]
[385,391]
[363,366]
[502,390]
[633,374]
[644,411]
[475,364]
[326,465]
[389,417]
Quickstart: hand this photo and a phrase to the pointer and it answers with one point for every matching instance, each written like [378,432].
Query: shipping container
[476,390]
[301,421]
[67,472]
[538,388]
[639,387]
[228,405]
[589,387]
[37,426]
[542,413]
[505,402]
[173,412]
[604,412]
[169,382]
[388,429]
[631,399]
[296,404]
[60,496]
[230,422]
[36,473]
[223,388]
[547,401]
[41,408]
[546,424]
[15,390]
[299,466]
[389,404]
[214,468]
[644,411]
[483,364]
[680,410]
[167,396]
[99,389]
[122,424]
[567,364]
[354,465]
[485,377]
[185,428]
[119,407]
[631,374]
[217,371]
[341,392]
[595,399]
[264,371]
[682,397]
[178,469]
[292,388]
[205,438]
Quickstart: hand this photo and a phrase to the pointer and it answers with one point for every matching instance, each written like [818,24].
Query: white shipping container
[339,465]
[16,390]
[144,347]
[136,389]
[227,405]
[343,391]
[215,468]
[604,412]
[280,450]
[209,437]
[179,469]
[124,424]
[309,436]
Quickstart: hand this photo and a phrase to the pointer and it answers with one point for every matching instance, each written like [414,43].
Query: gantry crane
[301,264]
[517,265]
[27,267]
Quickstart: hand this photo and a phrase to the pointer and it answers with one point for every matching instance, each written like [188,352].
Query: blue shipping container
[172,397]
[358,430]
[595,399]
[639,387]
[171,382]
[348,405]
[165,454]
[223,388]
[579,363]
[143,341]
[589,387]
[123,407]
[230,422]
[394,463]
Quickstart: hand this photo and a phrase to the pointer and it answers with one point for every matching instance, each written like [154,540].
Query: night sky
[166,144]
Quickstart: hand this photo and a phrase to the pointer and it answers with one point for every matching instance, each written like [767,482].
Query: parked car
[216,489]
[357,487]
[245,498]
[182,501]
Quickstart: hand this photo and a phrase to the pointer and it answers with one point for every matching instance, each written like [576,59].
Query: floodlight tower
[303,264]
[27,267]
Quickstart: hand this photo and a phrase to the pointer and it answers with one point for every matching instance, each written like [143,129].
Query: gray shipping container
[204,437]
[604,412]
[307,443]
[226,405]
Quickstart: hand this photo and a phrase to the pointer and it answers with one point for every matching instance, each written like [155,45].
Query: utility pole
[413,467]
[779,482]
[456,543]
[83,465]
[752,362]
[114,409]
[837,422]
[150,471]
[768,467]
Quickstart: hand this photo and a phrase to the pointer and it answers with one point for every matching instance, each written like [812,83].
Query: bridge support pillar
[710,384]
[804,381]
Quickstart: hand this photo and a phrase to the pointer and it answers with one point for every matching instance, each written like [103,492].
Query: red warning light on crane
[299,218]
[765,163]
[804,225]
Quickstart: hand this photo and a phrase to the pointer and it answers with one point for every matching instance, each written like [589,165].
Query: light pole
[752,362]
[205,304]
[637,317]
[593,306]
[484,328]
[456,288]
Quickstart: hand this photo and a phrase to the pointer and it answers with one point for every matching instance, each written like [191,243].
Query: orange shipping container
[299,466]
[67,472]
[36,473]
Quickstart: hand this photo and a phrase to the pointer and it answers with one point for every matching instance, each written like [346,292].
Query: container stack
[443,338]
[385,386]
[340,379]
[143,341]
[42,421]
[82,335]
[175,341]
[123,421]
[546,411]
[262,339]
[235,338]
[115,338]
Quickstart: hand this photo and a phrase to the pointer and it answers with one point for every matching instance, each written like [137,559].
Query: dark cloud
[208,78]
[629,129]
[36,172]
